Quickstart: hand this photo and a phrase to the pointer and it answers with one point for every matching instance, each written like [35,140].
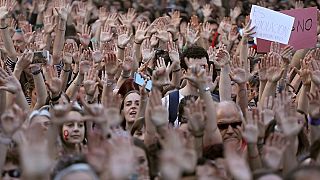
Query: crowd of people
[153,89]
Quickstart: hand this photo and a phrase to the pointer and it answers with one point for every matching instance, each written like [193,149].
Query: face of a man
[229,122]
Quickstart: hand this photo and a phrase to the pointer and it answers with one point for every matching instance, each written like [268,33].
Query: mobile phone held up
[138,79]
[41,57]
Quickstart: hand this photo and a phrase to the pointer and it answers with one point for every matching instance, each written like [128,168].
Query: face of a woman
[142,163]
[73,131]
[130,108]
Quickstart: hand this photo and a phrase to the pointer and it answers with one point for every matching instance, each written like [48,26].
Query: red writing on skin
[66,134]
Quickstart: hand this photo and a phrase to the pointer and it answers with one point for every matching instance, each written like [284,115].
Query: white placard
[271,25]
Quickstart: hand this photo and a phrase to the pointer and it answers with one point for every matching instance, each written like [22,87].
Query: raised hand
[62,9]
[67,53]
[314,105]
[106,33]
[274,70]
[173,52]
[6,6]
[111,19]
[252,53]
[267,111]
[251,131]
[162,32]
[238,74]
[12,119]
[123,37]
[97,55]
[314,66]
[248,31]
[286,54]
[275,146]
[236,163]
[9,83]
[24,60]
[53,82]
[206,10]
[222,57]
[289,119]
[48,25]
[147,51]
[160,77]
[262,65]
[198,77]
[159,115]
[90,81]
[206,31]
[141,32]
[192,35]
[195,5]
[234,13]
[128,18]
[85,35]
[304,72]
[175,21]
[233,34]
[196,119]
[111,64]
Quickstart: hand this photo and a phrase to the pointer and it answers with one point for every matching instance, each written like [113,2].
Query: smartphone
[41,57]
[138,79]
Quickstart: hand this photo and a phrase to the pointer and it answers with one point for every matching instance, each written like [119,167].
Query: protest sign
[271,25]
[304,31]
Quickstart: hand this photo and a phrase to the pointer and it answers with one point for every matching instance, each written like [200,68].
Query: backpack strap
[173,106]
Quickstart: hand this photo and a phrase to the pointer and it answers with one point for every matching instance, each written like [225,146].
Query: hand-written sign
[271,25]
[304,30]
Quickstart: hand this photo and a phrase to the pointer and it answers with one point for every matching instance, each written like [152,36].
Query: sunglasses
[226,125]
[14,173]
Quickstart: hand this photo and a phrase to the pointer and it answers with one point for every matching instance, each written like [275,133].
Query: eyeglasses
[226,125]
[14,173]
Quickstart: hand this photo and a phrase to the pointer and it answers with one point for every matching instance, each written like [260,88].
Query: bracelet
[61,29]
[55,98]
[4,27]
[177,70]
[66,70]
[175,40]
[125,76]
[120,47]
[36,72]
[313,122]
[137,43]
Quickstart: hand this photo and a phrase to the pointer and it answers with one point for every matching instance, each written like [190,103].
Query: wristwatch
[206,89]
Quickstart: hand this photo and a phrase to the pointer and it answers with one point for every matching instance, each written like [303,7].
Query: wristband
[55,98]
[4,27]
[137,43]
[66,70]
[36,72]
[122,48]
[313,122]
[177,70]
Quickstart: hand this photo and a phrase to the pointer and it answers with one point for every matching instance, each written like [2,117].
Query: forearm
[176,77]
[48,42]
[58,41]
[244,53]
[269,90]
[225,84]
[242,98]
[198,145]
[39,18]
[262,85]
[65,76]
[123,77]
[74,87]
[120,54]
[254,157]
[289,157]
[150,133]
[211,133]
[19,99]
[303,101]
[3,101]
[40,90]
[137,51]
[7,41]
[3,155]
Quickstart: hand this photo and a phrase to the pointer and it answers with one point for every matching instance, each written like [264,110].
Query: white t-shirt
[165,103]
